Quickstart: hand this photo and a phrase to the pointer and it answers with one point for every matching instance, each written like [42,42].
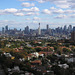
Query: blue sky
[20,13]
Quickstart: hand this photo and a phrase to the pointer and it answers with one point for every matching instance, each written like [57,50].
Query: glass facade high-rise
[73,28]
[6,28]
[27,30]
[3,31]
[73,34]
[47,27]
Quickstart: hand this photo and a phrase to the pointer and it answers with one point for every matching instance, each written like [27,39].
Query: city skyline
[22,13]
[47,27]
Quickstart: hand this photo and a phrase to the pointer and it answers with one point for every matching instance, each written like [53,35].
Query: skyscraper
[69,28]
[48,30]
[47,27]
[73,34]
[65,28]
[6,28]
[27,30]
[3,31]
[39,30]
[74,28]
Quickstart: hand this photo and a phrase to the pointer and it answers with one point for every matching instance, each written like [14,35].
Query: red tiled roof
[36,61]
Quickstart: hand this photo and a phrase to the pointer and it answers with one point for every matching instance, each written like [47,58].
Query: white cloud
[35,22]
[46,11]
[19,14]
[72,3]
[27,19]
[58,11]
[2,12]
[26,10]
[31,14]
[36,18]
[63,6]
[69,11]
[52,8]
[41,1]
[11,10]
[26,4]
[8,11]
[59,3]
[60,16]
[72,16]
[33,9]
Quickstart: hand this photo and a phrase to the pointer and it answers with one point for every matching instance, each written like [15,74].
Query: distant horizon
[34,28]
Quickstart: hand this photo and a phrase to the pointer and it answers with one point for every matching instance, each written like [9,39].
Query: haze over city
[22,13]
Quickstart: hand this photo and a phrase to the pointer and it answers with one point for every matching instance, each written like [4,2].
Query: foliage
[65,50]
[38,49]
[15,73]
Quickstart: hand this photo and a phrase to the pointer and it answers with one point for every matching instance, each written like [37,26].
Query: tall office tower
[27,30]
[65,28]
[74,28]
[61,29]
[47,27]
[73,34]
[6,28]
[39,30]
[3,31]
[57,30]
[20,30]
[70,28]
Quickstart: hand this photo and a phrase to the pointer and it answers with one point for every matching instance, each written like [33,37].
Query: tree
[8,62]
[15,73]
[56,69]
[6,49]
[65,50]
[38,49]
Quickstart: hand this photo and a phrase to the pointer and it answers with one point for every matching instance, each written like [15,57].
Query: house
[65,66]
[69,60]
[31,55]
[41,54]
[7,54]
[36,62]
[8,45]
[16,68]
[28,73]
[48,73]
[36,54]
[22,59]
[45,53]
